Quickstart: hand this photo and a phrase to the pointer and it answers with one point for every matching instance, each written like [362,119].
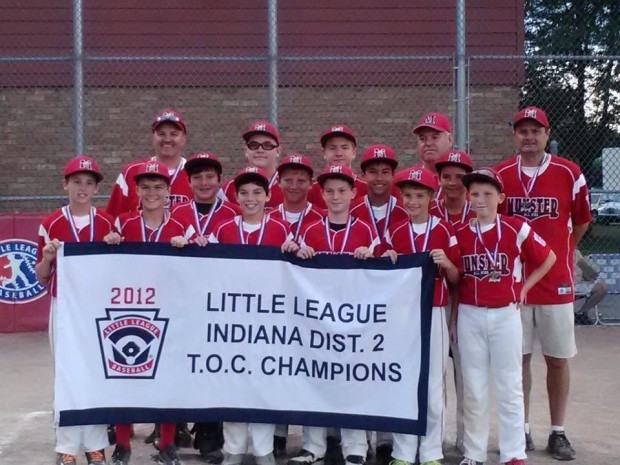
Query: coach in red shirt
[549,192]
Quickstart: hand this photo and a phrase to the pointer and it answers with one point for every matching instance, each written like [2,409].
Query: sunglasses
[253,145]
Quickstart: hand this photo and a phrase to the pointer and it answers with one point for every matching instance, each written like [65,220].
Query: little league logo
[18,283]
[131,341]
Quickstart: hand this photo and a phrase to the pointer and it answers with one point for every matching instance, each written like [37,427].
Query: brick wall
[36,136]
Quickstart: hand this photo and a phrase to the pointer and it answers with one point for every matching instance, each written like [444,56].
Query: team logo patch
[18,283]
[131,341]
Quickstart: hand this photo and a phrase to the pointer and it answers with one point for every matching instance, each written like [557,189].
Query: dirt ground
[26,434]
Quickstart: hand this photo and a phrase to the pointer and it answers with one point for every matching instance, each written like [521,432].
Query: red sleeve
[231,192]
[534,249]
[117,203]
[581,213]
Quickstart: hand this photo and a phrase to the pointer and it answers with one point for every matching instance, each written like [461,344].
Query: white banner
[148,333]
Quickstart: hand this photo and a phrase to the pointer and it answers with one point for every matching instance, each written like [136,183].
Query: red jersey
[315,197]
[124,197]
[187,214]
[324,239]
[405,238]
[61,225]
[297,222]
[133,229]
[391,214]
[270,232]
[275,193]
[551,200]
[492,276]
[456,220]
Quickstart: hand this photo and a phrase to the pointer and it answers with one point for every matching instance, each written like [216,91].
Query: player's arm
[579,230]
[43,269]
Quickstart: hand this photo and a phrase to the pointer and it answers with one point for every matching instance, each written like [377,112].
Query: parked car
[605,207]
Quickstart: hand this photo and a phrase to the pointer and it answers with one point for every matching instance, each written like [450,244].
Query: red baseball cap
[169,116]
[379,153]
[338,172]
[455,158]
[296,160]
[152,168]
[261,127]
[417,175]
[484,175]
[252,174]
[338,130]
[201,160]
[83,164]
[532,113]
[437,121]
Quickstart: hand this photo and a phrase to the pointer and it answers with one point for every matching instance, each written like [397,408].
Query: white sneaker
[467,461]
[268,459]
[305,458]
[232,459]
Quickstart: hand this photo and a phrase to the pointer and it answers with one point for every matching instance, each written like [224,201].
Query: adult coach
[549,192]
[434,137]
[169,138]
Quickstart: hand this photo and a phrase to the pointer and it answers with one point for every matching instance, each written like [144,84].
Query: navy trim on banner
[242,252]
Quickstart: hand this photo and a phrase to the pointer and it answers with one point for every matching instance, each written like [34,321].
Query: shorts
[555,326]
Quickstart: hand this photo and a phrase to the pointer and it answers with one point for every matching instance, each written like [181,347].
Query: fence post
[461,79]
[78,79]
[272,14]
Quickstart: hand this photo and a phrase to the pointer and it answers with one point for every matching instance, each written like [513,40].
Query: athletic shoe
[355,460]
[232,459]
[121,455]
[268,459]
[96,457]
[432,462]
[65,459]
[400,462]
[207,441]
[467,461]
[305,458]
[169,456]
[182,437]
[279,446]
[559,446]
[529,443]
[516,462]
[383,454]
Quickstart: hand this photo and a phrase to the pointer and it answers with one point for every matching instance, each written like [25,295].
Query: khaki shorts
[555,327]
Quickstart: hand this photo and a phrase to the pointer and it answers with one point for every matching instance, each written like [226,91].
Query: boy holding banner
[153,223]
[78,221]
[423,232]
[494,250]
[337,233]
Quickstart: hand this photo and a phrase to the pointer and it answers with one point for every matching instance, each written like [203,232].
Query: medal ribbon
[532,181]
[242,239]
[388,214]
[157,232]
[493,257]
[201,228]
[69,217]
[446,215]
[413,235]
[328,237]
[300,219]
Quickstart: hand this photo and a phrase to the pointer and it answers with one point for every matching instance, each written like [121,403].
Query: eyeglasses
[253,145]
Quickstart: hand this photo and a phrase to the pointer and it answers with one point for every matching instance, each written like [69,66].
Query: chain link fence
[380,96]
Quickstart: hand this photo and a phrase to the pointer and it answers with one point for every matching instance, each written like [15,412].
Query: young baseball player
[494,251]
[153,223]
[79,221]
[422,232]
[169,138]
[551,194]
[339,148]
[253,227]
[262,149]
[454,207]
[379,207]
[338,233]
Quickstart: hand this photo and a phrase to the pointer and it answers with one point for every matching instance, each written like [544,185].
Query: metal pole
[272,13]
[78,79]
[461,78]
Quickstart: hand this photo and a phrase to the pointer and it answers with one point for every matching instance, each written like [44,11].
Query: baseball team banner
[149,333]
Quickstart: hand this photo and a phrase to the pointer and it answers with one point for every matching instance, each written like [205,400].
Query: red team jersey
[187,214]
[308,216]
[315,197]
[402,239]
[362,209]
[131,227]
[124,197]
[271,232]
[59,225]
[519,244]
[438,209]
[327,240]
[557,200]
[276,196]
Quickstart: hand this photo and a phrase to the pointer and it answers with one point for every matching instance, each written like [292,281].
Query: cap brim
[388,161]
[137,177]
[415,183]
[470,178]
[98,176]
[328,136]
[247,178]
[178,124]
[442,164]
[248,135]
[515,123]
[322,178]
[298,166]
[194,165]
[430,126]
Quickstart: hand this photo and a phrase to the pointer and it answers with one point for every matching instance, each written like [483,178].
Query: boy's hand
[392,254]
[289,246]
[113,238]
[200,241]
[440,258]
[51,249]
[362,253]
[178,241]
[306,252]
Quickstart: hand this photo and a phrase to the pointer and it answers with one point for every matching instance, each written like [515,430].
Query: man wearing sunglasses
[262,149]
